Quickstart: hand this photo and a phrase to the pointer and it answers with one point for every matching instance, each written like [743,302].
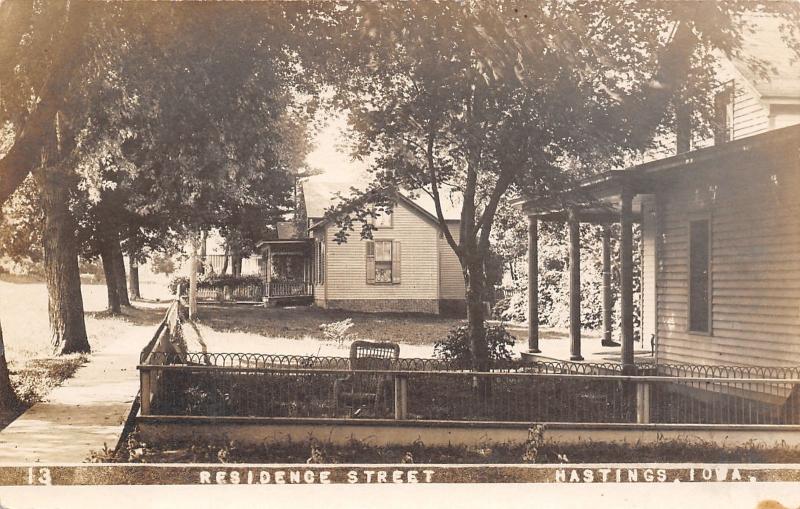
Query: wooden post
[643,403]
[533,284]
[193,279]
[626,280]
[144,397]
[607,302]
[268,275]
[574,287]
[400,397]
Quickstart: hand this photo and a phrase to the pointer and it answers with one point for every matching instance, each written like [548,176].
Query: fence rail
[290,289]
[260,385]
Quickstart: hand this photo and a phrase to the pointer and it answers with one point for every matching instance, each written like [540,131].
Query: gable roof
[765,43]
[320,195]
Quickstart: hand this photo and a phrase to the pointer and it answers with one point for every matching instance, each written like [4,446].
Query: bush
[337,331]
[216,281]
[455,347]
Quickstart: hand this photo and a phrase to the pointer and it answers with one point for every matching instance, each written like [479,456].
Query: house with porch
[720,230]
[408,266]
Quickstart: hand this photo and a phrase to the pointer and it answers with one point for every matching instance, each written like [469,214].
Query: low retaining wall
[260,430]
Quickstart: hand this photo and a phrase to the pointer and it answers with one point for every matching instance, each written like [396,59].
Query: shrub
[455,347]
[216,281]
[337,331]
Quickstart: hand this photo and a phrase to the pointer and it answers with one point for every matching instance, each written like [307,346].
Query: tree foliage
[493,98]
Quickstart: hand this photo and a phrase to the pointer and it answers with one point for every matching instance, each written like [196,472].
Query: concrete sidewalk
[84,413]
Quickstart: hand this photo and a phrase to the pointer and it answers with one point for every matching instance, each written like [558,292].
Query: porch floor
[591,350]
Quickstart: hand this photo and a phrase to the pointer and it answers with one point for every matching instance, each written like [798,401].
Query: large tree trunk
[134,277]
[475,280]
[119,274]
[107,257]
[65,303]
[236,258]
[203,253]
[224,269]
[193,279]
[8,399]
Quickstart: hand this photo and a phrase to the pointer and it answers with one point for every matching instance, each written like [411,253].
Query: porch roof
[597,197]
[285,243]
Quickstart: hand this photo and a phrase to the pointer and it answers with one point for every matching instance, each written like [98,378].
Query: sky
[331,157]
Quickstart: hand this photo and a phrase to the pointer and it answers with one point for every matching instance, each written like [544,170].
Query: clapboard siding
[750,116]
[451,279]
[649,262]
[755,266]
[346,278]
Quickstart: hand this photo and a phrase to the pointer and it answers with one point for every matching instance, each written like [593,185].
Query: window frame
[390,261]
[724,105]
[696,218]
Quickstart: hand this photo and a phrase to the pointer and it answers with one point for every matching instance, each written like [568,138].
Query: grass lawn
[303,322]
[251,328]
[674,451]
[35,371]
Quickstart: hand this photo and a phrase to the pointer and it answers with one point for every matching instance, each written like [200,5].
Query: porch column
[574,287]
[607,301]
[269,272]
[533,284]
[626,279]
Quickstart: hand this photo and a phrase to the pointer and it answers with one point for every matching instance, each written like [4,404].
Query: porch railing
[289,289]
[294,386]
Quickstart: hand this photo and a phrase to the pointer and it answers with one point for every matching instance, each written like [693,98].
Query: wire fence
[179,383]
[293,386]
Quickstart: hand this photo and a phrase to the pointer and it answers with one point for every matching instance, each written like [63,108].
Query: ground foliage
[686,450]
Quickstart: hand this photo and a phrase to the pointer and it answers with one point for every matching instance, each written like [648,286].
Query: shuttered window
[383,261]
[699,280]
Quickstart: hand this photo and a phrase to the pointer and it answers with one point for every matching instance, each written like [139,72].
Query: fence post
[145,392]
[642,403]
[400,397]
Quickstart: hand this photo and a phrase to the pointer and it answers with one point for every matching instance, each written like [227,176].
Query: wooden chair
[374,392]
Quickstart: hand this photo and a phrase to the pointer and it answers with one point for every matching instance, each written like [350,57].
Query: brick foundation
[430,306]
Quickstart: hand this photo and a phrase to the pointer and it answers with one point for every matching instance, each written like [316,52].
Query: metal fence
[255,385]
[177,382]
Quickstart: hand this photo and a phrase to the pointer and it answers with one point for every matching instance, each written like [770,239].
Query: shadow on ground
[135,315]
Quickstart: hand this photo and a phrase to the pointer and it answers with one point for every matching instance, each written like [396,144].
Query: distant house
[408,266]
[720,228]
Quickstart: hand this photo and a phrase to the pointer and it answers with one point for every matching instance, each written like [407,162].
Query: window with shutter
[383,261]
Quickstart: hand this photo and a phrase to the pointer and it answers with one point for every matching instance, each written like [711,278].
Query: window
[382,219]
[699,280]
[383,261]
[723,114]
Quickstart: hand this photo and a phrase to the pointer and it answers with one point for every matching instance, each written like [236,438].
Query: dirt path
[86,412]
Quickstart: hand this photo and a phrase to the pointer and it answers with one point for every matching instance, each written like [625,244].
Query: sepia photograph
[541,243]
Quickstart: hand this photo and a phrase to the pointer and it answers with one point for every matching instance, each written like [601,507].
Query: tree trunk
[107,257]
[224,269]
[65,302]
[193,280]
[119,274]
[203,252]
[134,278]
[236,258]
[475,280]
[8,399]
